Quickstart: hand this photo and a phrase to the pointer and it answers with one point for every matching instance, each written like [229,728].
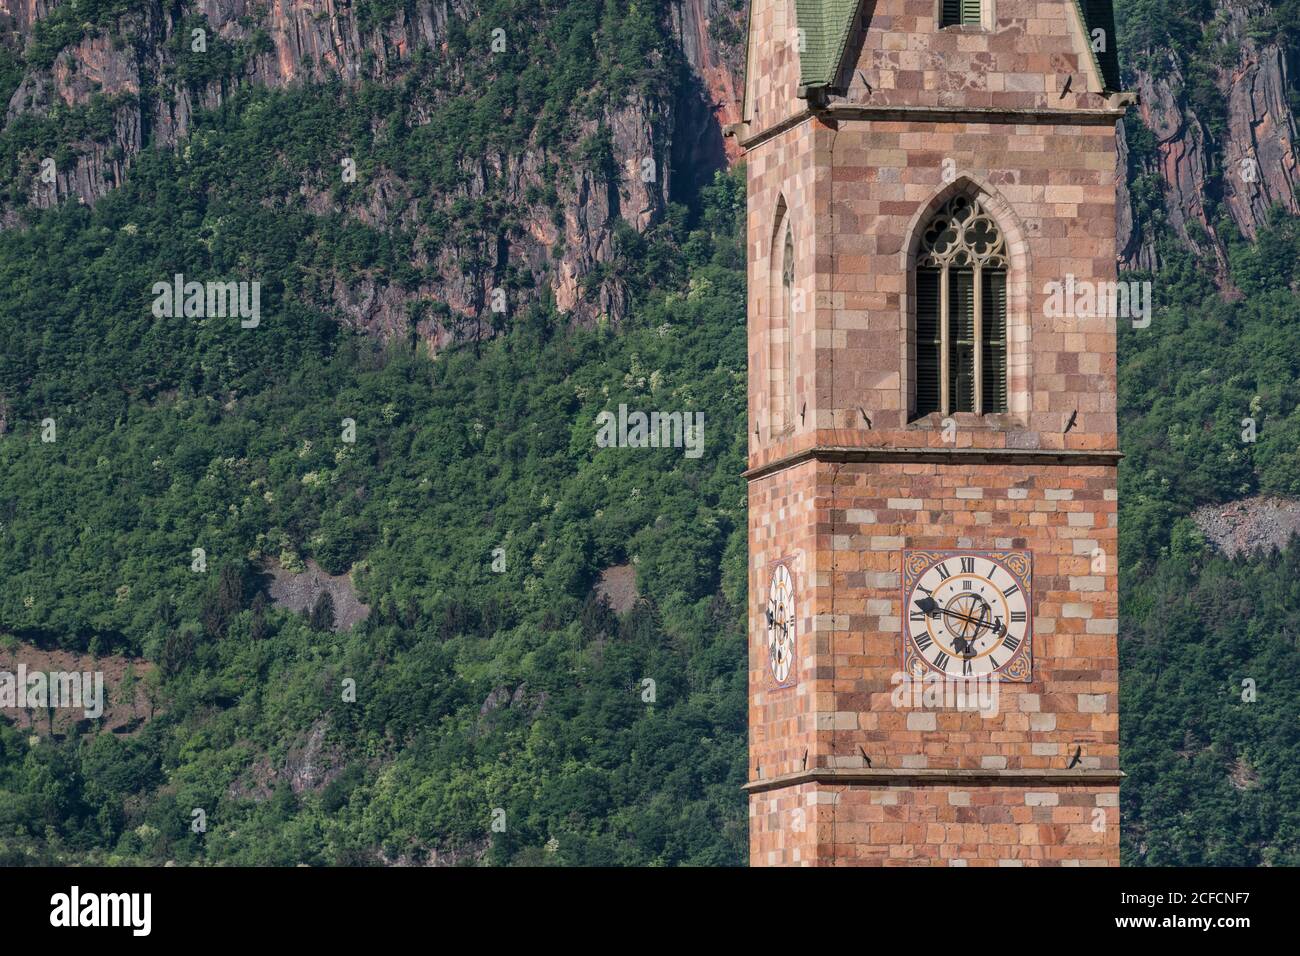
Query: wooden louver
[955,12]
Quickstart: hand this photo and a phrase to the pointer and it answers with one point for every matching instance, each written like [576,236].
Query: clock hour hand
[969,650]
[997,627]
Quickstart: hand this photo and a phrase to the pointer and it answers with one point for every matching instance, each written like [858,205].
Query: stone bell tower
[932,446]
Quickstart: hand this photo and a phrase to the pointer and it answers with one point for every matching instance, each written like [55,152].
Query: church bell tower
[933,668]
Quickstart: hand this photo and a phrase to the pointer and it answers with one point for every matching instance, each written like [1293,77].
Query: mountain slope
[486,449]
[502,145]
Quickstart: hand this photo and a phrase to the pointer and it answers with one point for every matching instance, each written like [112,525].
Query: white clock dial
[781,624]
[968,615]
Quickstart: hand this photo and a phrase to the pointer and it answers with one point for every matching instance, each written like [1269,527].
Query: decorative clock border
[915,562]
[787,561]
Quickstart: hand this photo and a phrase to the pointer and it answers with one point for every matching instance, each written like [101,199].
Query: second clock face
[967,614]
[781,625]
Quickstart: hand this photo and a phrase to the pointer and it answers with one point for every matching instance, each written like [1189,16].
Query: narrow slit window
[961,313]
[787,294]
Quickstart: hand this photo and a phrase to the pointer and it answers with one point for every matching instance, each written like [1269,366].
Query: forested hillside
[475,690]
[1210,645]
[493,707]
[1209,396]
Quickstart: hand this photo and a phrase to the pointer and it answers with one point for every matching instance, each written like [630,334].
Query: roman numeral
[1018,616]
[918,615]
[923,642]
[1011,643]
[943,571]
[965,667]
[993,662]
[968,585]
[967,565]
[922,587]
[1011,590]
[941,661]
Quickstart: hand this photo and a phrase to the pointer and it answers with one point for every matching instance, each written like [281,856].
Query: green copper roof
[1100,15]
[826,25]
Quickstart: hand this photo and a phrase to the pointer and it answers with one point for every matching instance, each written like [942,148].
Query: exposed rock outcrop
[1261,130]
[308,766]
[1238,164]
[126,703]
[299,591]
[617,585]
[711,34]
[1250,525]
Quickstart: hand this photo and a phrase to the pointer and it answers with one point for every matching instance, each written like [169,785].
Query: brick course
[819,825]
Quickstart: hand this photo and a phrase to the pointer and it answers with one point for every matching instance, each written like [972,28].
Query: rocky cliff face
[711,34]
[1224,131]
[135,69]
[1220,160]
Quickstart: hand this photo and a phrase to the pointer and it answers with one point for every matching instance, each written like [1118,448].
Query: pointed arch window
[785,299]
[787,307]
[961,312]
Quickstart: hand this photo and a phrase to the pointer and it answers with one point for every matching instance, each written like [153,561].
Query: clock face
[781,627]
[968,614]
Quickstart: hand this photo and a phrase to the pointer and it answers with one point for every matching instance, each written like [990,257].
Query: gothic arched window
[787,306]
[785,302]
[961,312]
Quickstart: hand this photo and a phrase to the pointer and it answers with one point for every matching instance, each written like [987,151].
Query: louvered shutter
[993,317]
[961,340]
[954,12]
[927,341]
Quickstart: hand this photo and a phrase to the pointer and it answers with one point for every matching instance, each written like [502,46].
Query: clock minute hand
[978,622]
[929,605]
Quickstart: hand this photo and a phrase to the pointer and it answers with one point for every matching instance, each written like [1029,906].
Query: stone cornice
[935,114]
[972,114]
[747,141]
[944,456]
[938,777]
